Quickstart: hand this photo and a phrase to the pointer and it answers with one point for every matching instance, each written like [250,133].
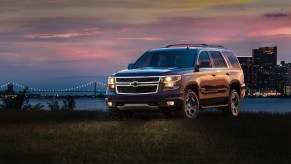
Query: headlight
[111,83]
[170,82]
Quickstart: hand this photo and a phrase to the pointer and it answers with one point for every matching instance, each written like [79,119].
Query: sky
[64,43]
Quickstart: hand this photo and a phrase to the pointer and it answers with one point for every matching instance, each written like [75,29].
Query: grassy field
[92,137]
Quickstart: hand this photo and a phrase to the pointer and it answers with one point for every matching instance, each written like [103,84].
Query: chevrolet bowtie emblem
[134,84]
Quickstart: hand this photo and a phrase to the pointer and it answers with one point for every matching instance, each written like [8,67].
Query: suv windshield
[177,58]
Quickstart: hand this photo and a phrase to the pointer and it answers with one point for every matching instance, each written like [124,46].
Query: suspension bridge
[87,87]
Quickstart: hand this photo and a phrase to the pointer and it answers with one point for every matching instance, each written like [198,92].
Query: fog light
[170,103]
[109,103]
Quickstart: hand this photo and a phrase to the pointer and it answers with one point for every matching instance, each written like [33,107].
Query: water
[273,105]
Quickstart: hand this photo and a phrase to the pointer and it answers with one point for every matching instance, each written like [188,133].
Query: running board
[214,106]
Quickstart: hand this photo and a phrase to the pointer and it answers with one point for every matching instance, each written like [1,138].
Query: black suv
[179,80]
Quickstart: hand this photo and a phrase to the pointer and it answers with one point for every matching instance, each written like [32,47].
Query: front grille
[139,89]
[137,85]
[138,79]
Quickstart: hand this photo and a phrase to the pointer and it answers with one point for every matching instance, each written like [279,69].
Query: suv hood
[149,71]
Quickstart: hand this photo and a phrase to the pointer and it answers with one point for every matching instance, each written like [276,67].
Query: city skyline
[66,43]
[263,75]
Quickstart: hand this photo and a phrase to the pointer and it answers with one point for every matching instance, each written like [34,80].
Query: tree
[69,103]
[15,102]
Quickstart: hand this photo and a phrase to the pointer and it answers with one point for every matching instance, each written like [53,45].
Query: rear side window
[217,59]
[203,57]
[232,58]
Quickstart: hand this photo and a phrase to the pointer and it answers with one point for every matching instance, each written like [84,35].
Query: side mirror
[129,65]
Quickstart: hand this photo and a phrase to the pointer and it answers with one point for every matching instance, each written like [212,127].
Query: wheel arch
[194,87]
[236,86]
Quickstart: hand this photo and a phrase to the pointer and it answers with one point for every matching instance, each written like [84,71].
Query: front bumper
[147,102]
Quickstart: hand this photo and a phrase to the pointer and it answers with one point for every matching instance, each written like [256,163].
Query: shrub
[53,105]
[37,106]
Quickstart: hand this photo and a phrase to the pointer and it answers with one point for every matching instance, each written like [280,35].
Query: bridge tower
[95,88]
[10,89]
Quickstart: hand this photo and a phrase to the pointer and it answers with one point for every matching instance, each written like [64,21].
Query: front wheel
[191,105]
[233,103]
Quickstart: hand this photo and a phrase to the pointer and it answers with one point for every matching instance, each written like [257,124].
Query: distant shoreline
[268,97]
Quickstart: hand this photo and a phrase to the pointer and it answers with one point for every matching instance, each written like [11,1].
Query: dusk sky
[64,43]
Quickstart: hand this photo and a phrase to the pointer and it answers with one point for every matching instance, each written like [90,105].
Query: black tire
[190,108]
[233,107]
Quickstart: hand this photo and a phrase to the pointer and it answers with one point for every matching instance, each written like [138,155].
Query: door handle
[213,75]
[227,74]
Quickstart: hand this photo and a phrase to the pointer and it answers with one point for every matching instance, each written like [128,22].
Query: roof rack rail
[186,45]
[218,46]
[194,45]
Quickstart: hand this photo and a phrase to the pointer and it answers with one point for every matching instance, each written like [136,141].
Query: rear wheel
[191,105]
[233,104]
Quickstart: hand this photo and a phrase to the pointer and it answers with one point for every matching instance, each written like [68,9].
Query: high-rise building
[264,62]
[246,63]
[281,77]
[288,83]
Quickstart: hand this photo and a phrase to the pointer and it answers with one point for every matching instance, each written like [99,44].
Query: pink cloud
[216,40]
[79,53]
[69,34]
[284,31]
[143,38]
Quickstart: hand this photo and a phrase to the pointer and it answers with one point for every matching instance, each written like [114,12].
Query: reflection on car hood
[152,71]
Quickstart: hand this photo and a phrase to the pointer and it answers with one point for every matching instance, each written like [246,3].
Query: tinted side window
[217,59]
[232,58]
[203,57]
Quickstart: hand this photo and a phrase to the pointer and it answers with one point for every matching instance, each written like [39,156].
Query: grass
[92,137]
